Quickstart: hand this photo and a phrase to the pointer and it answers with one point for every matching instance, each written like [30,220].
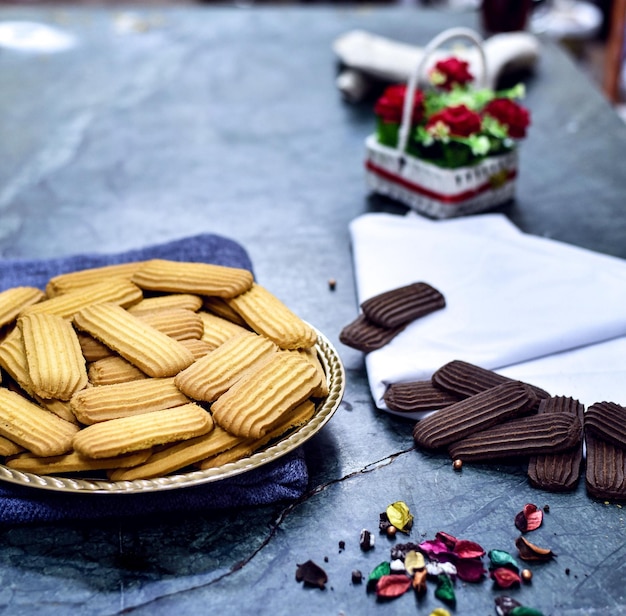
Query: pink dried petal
[530,518]
[468,549]
[433,547]
[505,578]
[470,569]
[392,586]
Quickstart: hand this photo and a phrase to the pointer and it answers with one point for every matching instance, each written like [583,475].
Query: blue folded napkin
[283,479]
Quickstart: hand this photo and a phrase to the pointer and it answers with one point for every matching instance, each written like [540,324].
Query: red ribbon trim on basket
[446,199]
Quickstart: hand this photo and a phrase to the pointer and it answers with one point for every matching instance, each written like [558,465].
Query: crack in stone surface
[275,525]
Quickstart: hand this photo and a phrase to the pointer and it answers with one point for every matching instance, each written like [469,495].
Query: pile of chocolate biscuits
[483,416]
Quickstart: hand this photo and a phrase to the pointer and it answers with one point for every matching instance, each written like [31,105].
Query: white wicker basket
[427,188]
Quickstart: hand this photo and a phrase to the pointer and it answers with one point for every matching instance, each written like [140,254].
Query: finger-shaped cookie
[114,291]
[55,361]
[118,436]
[186,301]
[268,316]
[113,369]
[32,427]
[195,278]
[259,399]
[209,377]
[106,402]
[71,281]
[14,300]
[145,347]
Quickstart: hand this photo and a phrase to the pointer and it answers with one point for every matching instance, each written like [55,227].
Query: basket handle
[416,75]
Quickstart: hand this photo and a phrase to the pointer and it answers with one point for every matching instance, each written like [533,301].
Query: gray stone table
[164,123]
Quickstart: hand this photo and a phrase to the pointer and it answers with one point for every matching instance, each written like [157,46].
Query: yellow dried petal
[399,515]
[413,561]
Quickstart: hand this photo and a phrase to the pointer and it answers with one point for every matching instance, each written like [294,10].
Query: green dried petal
[522,610]
[445,590]
[400,516]
[383,569]
[500,558]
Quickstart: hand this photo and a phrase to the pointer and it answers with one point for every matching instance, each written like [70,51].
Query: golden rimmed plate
[323,412]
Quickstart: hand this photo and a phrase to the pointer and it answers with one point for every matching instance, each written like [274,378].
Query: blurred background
[591,30]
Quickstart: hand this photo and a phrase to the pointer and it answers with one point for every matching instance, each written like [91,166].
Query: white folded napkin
[510,298]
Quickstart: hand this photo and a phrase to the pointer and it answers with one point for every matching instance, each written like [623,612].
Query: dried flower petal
[392,586]
[439,611]
[530,551]
[311,574]
[400,516]
[397,566]
[470,569]
[383,522]
[500,558]
[445,590]
[505,604]
[419,582]
[433,548]
[447,539]
[522,610]
[383,569]
[530,518]
[505,577]
[468,549]
[414,561]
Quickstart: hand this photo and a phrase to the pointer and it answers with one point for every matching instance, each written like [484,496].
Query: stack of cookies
[143,369]
[483,416]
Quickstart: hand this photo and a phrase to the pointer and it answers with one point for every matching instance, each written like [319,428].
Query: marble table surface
[157,124]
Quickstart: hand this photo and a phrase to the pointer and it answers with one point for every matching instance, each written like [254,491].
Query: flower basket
[432,189]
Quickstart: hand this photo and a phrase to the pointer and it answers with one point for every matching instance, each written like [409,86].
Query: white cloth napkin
[532,305]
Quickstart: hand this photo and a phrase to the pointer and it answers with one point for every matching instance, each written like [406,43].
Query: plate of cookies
[155,375]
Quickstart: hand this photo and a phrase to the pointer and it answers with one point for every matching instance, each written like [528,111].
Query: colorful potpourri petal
[522,610]
[419,582]
[530,551]
[438,568]
[504,605]
[445,590]
[468,549]
[379,571]
[447,539]
[470,569]
[500,558]
[413,561]
[530,518]
[439,611]
[505,577]
[432,548]
[400,516]
[392,586]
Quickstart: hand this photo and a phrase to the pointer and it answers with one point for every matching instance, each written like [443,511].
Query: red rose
[448,72]
[460,121]
[515,117]
[389,106]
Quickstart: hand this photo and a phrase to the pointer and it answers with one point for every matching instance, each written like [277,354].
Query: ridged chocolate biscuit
[417,396]
[521,437]
[465,379]
[366,336]
[605,476]
[473,414]
[403,305]
[607,420]
[557,472]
